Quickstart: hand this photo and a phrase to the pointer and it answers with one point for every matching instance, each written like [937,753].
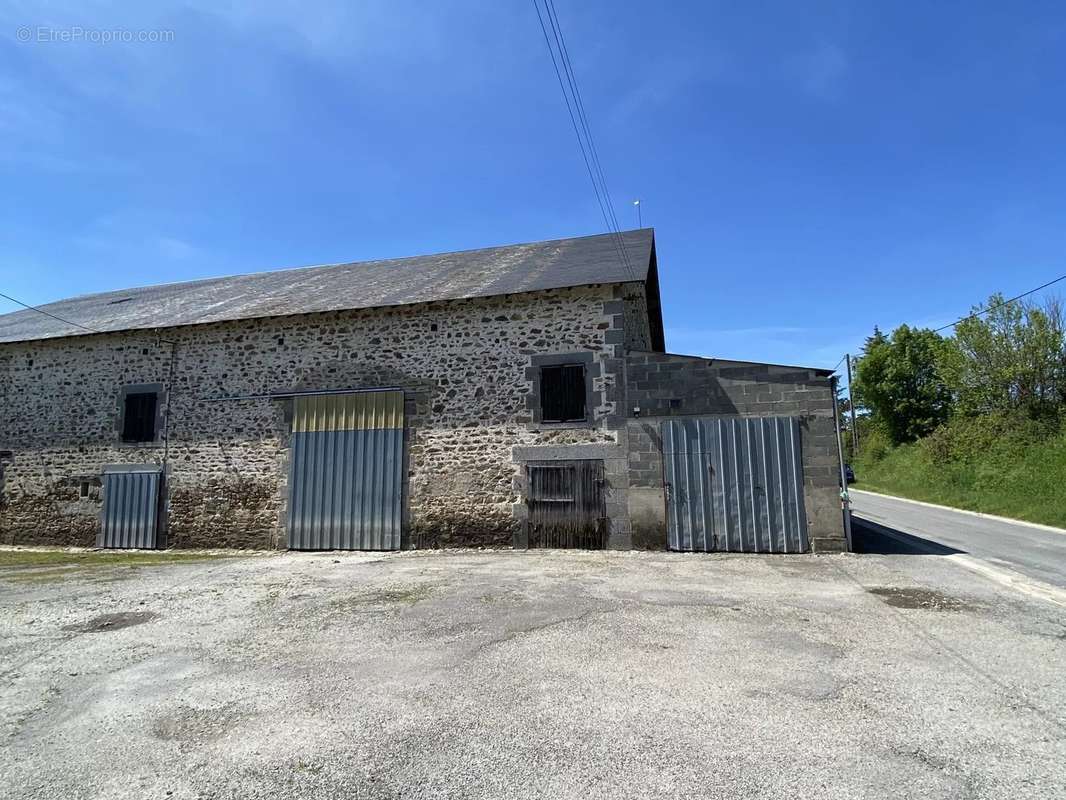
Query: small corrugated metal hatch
[130,516]
[346,481]
[734,484]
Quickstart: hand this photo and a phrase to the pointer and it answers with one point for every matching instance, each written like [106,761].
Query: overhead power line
[48,314]
[984,311]
[568,66]
[579,120]
[61,319]
[1000,305]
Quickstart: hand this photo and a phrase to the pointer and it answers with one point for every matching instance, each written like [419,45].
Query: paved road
[1036,553]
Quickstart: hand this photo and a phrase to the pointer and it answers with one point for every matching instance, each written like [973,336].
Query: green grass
[48,566]
[1020,479]
[404,595]
[93,558]
[51,575]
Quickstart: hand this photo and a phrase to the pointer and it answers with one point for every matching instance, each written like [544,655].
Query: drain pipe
[166,408]
[845,500]
[163,511]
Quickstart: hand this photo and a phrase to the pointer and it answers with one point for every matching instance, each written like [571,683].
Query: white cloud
[136,234]
[229,63]
[660,81]
[175,249]
[334,30]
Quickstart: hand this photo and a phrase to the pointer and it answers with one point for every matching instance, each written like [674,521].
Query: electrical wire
[64,321]
[583,117]
[984,311]
[575,110]
[48,314]
[560,40]
[573,119]
[160,339]
[1000,305]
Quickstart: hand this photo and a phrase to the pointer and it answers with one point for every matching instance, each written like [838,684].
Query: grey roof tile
[368,284]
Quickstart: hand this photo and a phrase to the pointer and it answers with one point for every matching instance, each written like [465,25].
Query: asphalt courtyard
[527,674]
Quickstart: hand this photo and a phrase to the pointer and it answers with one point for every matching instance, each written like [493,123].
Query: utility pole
[845,499]
[640,221]
[851,406]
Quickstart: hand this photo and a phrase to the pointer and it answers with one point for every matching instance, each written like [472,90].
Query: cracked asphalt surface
[530,674]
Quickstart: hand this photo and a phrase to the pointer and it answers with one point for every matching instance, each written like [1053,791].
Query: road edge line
[1038,526]
[1005,577]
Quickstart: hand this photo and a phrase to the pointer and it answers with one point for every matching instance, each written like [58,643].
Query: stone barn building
[511,396]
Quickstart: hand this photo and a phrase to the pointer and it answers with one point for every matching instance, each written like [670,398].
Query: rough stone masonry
[468,368]
[461,363]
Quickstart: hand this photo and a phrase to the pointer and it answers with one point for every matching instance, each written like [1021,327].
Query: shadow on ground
[875,538]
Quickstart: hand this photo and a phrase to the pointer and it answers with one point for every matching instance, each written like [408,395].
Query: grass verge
[1026,483]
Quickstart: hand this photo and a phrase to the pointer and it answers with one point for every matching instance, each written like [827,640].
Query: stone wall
[664,385]
[462,364]
[468,369]
[637,324]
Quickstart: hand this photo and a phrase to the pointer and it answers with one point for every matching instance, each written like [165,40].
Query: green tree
[898,381]
[1012,359]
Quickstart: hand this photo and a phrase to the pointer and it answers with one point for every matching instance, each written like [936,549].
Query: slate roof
[367,284]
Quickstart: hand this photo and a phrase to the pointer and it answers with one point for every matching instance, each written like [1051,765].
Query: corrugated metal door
[346,483]
[130,517]
[734,484]
[566,504]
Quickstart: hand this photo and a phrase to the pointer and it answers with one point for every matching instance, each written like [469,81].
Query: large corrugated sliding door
[130,516]
[346,482]
[734,484]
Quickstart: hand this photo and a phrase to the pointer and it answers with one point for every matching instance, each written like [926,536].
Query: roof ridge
[459,274]
[274,271]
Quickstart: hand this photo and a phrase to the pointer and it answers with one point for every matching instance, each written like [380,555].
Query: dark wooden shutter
[566,505]
[562,393]
[138,419]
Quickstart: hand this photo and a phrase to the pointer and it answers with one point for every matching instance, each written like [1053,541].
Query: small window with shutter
[139,417]
[562,393]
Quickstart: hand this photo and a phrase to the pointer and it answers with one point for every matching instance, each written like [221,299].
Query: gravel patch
[531,674]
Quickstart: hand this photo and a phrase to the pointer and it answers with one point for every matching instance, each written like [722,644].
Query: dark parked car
[849,474]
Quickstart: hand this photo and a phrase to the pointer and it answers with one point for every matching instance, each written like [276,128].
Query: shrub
[898,381]
[987,438]
[1009,466]
[875,446]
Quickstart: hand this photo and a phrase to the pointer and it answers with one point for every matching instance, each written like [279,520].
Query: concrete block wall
[663,385]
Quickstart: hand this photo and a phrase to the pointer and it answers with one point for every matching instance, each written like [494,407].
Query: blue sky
[811,169]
